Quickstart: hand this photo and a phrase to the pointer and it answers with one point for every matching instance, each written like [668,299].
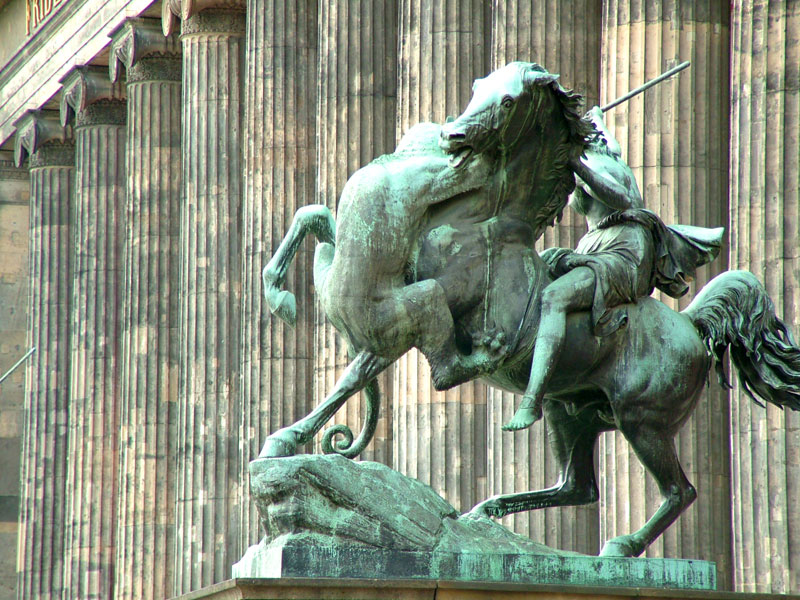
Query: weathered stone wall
[276,112]
[672,136]
[440,437]
[565,39]
[14,288]
[356,106]
[765,239]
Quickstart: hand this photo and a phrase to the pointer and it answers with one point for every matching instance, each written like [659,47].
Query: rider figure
[612,265]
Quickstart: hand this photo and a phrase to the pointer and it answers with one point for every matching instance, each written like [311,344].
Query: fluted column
[279,164]
[149,367]
[209,485]
[98,110]
[357,112]
[440,438]
[564,38]
[765,211]
[40,554]
[673,138]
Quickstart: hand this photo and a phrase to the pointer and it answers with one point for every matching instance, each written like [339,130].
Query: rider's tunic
[631,253]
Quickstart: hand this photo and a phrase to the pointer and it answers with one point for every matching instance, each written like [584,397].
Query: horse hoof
[279,444]
[621,547]
[484,510]
[284,306]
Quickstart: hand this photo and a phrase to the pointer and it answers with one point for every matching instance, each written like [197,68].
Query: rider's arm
[605,189]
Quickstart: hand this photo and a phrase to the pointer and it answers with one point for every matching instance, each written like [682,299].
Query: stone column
[51,164]
[97,109]
[279,163]
[15,276]
[673,138]
[564,38]
[357,111]
[765,201]
[209,485]
[149,306]
[440,438]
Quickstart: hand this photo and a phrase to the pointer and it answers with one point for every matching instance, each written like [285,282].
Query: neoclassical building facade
[153,155]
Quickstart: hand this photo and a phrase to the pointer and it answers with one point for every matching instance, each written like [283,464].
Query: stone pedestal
[319,523]
[145,544]
[564,38]
[279,172]
[357,102]
[51,165]
[355,589]
[440,438]
[209,488]
[764,215]
[673,138]
[98,111]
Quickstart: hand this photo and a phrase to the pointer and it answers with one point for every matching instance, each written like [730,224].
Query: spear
[646,86]
[18,363]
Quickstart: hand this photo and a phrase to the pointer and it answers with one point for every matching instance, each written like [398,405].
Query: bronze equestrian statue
[453,215]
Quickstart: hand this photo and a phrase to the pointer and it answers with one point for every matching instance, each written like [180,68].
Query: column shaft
[209,488]
[279,164]
[94,374]
[150,344]
[563,38]
[440,438]
[44,436]
[357,109]
[765,201]
[671,137]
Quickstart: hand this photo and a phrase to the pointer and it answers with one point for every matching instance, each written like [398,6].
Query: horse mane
[580,134]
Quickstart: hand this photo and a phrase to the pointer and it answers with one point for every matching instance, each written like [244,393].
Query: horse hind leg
[572,440]
[656,450]
[316,219]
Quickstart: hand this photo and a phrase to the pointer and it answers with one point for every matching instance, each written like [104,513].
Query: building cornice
[31,77]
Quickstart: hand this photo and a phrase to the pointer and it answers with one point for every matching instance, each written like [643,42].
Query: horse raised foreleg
[316,219]
[656,450]
[572,440]
[358,374]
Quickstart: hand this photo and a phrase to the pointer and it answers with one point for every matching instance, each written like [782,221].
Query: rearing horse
[478,247]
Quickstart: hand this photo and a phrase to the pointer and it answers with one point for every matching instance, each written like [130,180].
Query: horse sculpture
[462,259]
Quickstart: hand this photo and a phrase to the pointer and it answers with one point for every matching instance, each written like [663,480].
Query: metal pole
[18,363]
[646,86]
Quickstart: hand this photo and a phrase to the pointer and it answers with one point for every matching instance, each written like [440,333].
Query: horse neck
[534,171]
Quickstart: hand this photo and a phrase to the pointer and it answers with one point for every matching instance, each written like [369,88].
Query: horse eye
[508,102]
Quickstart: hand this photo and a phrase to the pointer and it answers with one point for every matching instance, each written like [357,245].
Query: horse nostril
[457,136]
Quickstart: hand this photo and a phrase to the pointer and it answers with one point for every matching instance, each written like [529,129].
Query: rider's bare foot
[524,417]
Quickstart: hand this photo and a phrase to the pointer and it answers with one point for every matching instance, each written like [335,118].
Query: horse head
[521,115]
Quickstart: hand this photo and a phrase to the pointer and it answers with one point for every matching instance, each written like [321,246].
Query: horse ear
[534,77]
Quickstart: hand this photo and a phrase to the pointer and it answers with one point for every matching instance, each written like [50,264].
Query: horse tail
[346,447]
[734,310]
[315,218]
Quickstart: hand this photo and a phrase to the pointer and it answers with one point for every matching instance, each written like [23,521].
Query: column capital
[138,38]
[84,86]
[34,129]
[172,10]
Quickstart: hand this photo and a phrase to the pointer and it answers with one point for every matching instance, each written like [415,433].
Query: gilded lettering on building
[37,11]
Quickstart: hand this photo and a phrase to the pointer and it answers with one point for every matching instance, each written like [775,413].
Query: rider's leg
[570,293]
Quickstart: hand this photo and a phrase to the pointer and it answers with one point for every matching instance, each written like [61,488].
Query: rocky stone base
[330,517]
